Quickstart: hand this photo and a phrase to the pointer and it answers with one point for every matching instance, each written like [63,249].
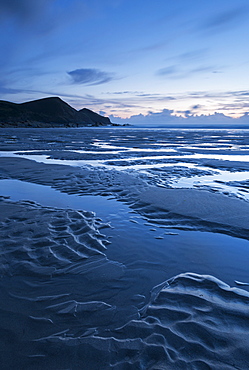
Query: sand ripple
[192,322]
[45,241]
[59,309]
[64,305]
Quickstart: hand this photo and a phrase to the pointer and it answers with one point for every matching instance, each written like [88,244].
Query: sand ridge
[200,204]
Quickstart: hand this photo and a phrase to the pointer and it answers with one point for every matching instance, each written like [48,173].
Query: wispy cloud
[9,91]
[42,13]
[29,17]
[191,56]
[130,92]
[177,72]
[168,71]
[23,10]
[150,47]
[223,20]
[90,76]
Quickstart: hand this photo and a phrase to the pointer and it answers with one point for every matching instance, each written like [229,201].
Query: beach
[124,248]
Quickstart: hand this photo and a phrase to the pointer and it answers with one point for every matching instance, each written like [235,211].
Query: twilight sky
[152,59]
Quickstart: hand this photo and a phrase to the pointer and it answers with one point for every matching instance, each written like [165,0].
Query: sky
[137,61]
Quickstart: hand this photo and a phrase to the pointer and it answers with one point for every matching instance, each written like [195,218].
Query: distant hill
[48,112]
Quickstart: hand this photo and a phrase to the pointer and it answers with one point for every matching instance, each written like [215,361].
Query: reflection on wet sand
[107,263]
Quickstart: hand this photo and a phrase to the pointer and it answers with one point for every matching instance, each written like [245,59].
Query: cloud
[197,106]
[168,71]
[225,19]
[189,56]
[5,90]
[176,72]
[193,55]
[241,93]
[28,18]
[154,97]
[90,76]
[167,118]
[192,103]
[123,92]
[151,47]
[23,10]
[151,119]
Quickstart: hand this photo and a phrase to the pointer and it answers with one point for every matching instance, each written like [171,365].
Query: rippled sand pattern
[42,241]
[79,292]
[192,322]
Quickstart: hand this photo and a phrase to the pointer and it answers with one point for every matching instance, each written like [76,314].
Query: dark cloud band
[90,76]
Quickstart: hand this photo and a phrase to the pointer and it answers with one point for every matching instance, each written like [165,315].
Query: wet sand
[140,279]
